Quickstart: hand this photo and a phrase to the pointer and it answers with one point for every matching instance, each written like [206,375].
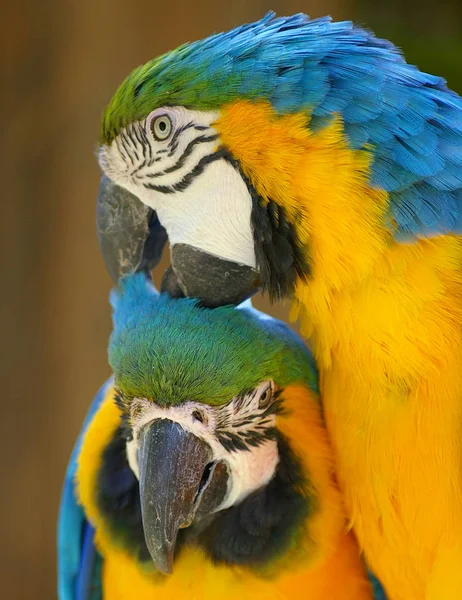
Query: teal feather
[377,589]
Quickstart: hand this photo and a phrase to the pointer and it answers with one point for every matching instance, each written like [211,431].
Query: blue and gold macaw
[308,158]
[204,469]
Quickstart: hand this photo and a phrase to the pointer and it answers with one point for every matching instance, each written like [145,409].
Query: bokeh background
[60,62]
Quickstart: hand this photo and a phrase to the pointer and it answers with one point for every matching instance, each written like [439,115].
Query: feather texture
[145,354]
[78,561]
[321,558]
[409,120]
[361,150]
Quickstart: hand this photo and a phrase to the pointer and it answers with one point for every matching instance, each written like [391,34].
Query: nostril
[198,415]
[204,479]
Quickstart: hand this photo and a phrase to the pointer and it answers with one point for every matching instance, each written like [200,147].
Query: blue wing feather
[409,120]
[78,559]
[377,589]
[88,583]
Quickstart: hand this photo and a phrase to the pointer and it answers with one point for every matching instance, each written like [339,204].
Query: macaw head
[270,148]
[173,148]
[200,391]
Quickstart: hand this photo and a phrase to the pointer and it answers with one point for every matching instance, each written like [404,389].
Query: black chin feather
[261,527]
[251,533]
[280,257]
[118,498]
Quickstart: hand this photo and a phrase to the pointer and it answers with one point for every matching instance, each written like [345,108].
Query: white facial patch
[250,468]
[200,197]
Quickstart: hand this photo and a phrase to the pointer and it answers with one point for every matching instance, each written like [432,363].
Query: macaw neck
[397,316]
[368,302]
[331,215]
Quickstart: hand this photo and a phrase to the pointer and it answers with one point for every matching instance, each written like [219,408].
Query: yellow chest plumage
[386,325]
[195,578]
[390,354]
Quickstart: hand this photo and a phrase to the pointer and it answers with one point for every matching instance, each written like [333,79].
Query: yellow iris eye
[266,396]
[161,127]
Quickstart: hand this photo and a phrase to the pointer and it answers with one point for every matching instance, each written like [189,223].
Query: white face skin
[169,161]
[249,469]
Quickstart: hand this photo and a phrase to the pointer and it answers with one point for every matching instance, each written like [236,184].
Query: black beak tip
[162,551]
[167,568]
[130,234]
[164,561]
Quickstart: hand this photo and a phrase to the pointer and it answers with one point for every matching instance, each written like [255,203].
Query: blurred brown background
[61,61]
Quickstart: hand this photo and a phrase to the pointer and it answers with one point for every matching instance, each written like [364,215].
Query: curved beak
[214,280]
[179,484]
[132,239]
[129,233]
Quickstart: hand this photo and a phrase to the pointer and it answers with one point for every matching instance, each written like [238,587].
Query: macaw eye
[161,127]
[198,415]
[266,396]
[135,410]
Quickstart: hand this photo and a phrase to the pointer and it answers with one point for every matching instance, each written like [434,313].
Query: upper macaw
[206,457]
[308,158]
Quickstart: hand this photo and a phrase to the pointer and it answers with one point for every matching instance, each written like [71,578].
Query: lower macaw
[204,470]
[308,158]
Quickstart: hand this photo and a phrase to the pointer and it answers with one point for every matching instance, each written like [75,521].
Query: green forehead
[253,61]
[173,351]
[170,80]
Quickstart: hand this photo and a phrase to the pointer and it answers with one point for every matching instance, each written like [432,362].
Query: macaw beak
[214,280]
[132,239]
[179,484]
[130,234]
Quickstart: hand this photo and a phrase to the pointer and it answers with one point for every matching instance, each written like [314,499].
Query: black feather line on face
[280,257]
[242,424]
[251,431]
[173,143]
[133,140]
[123,404]
[201,139]
[188,179]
